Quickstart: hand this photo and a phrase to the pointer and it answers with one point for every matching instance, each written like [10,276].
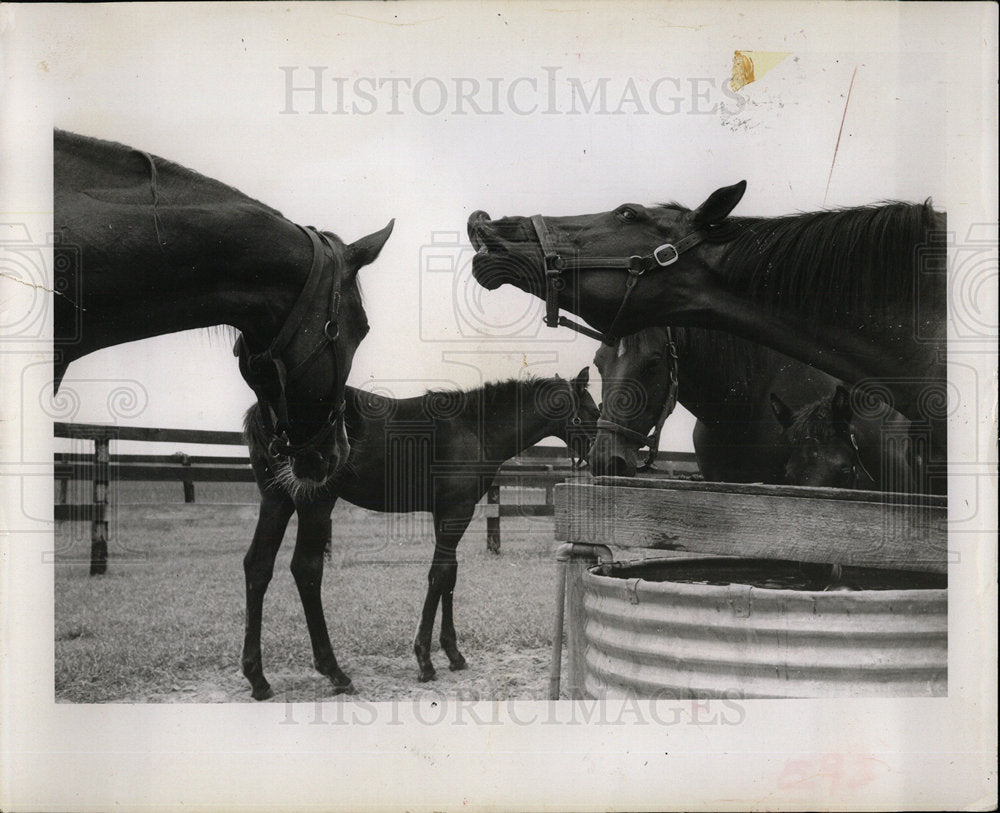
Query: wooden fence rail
[540,468]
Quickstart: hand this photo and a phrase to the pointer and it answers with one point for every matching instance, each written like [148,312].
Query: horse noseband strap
[624,431]
[636,265]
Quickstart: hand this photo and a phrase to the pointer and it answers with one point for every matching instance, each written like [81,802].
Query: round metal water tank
[721,627]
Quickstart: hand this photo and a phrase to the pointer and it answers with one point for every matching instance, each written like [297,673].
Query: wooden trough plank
[857,495]
[759,522]
[495,511]
[529,510]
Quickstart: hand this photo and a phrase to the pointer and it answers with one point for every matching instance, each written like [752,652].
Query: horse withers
[859,293]
[469,435]
[146,247]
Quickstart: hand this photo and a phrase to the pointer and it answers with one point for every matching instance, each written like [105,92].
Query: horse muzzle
[609,457]
[315,462]
[506,253]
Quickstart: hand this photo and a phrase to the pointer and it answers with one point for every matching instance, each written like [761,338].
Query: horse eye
[627,214]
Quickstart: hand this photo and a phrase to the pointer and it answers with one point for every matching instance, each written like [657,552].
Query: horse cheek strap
[553,265]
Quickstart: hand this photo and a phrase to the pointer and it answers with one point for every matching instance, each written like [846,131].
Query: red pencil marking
[839,134]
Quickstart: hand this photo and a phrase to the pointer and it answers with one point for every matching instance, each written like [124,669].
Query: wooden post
[493,520]
[575,565]
[188,484]
[99,523]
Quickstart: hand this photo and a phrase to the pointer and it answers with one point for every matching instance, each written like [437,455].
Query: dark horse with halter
[859,293]
[730,386]
[147,247]
[463,438]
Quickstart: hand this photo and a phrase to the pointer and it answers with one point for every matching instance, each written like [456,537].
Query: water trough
[760,616]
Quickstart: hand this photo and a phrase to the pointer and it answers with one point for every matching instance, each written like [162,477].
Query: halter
[653,439]
[268,368]
[858,462]
[576,463]
[636,265]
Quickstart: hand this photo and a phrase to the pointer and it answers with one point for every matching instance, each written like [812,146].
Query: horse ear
[840,407]
[781,411]
[581,380]
[364,251]
[719,204]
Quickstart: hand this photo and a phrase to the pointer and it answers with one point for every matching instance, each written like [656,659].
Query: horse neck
[512,419]
[244,268]
[159,252]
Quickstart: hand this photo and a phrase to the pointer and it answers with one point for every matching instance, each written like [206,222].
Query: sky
[486,114]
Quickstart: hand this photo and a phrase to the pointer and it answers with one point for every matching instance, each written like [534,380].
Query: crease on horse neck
[155,247]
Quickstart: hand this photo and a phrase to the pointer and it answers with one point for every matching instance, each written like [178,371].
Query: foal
[467,436]
[828,446]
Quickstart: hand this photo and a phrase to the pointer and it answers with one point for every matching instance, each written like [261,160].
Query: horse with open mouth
[859,293]
[146,247]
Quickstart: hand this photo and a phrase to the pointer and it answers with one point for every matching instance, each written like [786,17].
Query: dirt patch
[520,675]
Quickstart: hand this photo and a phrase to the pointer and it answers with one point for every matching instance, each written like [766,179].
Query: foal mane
[496,397]
[860,261]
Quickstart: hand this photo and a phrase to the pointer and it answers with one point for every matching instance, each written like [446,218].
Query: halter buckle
[331,330]
[636,265]
[669,260]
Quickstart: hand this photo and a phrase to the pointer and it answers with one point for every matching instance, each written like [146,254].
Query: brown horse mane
[857,261]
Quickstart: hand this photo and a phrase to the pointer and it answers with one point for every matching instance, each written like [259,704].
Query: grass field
[165,624]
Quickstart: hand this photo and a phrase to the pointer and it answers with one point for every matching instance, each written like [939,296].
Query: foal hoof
[427,675]
[458,664]
[264,692]
[343,686]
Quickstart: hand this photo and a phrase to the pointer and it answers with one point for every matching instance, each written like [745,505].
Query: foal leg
[258,566]
[441,578]
[307,568]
